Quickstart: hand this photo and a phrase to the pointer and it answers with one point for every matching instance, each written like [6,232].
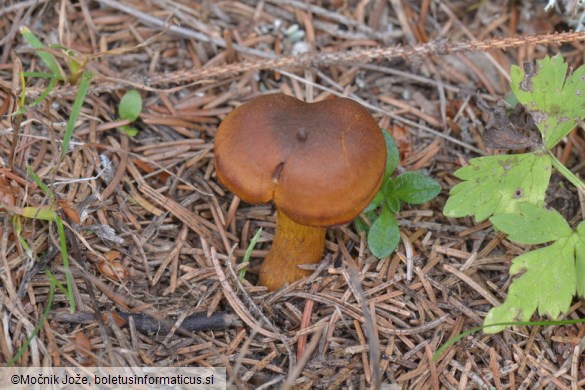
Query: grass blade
[37,328]
[22,98]
[18,231]
[57,282]
[41,75]
[79,99]
[45,56]
[65,257]
[39,182]
[515,323]
[249,250]
[62,237]
[39,99]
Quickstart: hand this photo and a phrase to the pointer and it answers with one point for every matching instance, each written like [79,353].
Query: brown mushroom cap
[320,163]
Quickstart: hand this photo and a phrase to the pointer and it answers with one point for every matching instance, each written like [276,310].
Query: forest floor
[154,242]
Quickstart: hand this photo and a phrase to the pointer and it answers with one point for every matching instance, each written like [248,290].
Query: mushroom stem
[293,244]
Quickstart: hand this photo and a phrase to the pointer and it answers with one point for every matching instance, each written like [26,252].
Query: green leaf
[361,225]
[383,235]
[41,75]
[52,83]
[43,213]
[389,198]
[385,196]
[76,109]
[547,284]
[511,189]
[74,65]
[511,99]
[393,203]
[415,188]
[130,106]
[17,224]
[532,225]
[375,202]
[65,258]
[580,259]
[45,56]
[39,324]
[39,182]
[496,184]
[392,156]
[129,130]
[556,103]
[249,250]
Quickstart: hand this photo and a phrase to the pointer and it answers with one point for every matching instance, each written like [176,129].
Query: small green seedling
[248,254]
[409,187]
[41,51]
[51,296]
[130,108]
[510,191]
[56,74]
[52,216]
[77,75]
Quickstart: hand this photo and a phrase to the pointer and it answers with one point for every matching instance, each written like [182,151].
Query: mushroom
[320,163]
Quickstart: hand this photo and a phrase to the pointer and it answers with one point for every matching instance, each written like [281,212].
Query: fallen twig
[150,325]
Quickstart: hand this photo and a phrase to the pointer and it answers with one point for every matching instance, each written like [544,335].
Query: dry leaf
[509,129]
[70,211]
[7,196]
[113,270]
[402,138]
[83,350]
[113,255]
[121,322]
